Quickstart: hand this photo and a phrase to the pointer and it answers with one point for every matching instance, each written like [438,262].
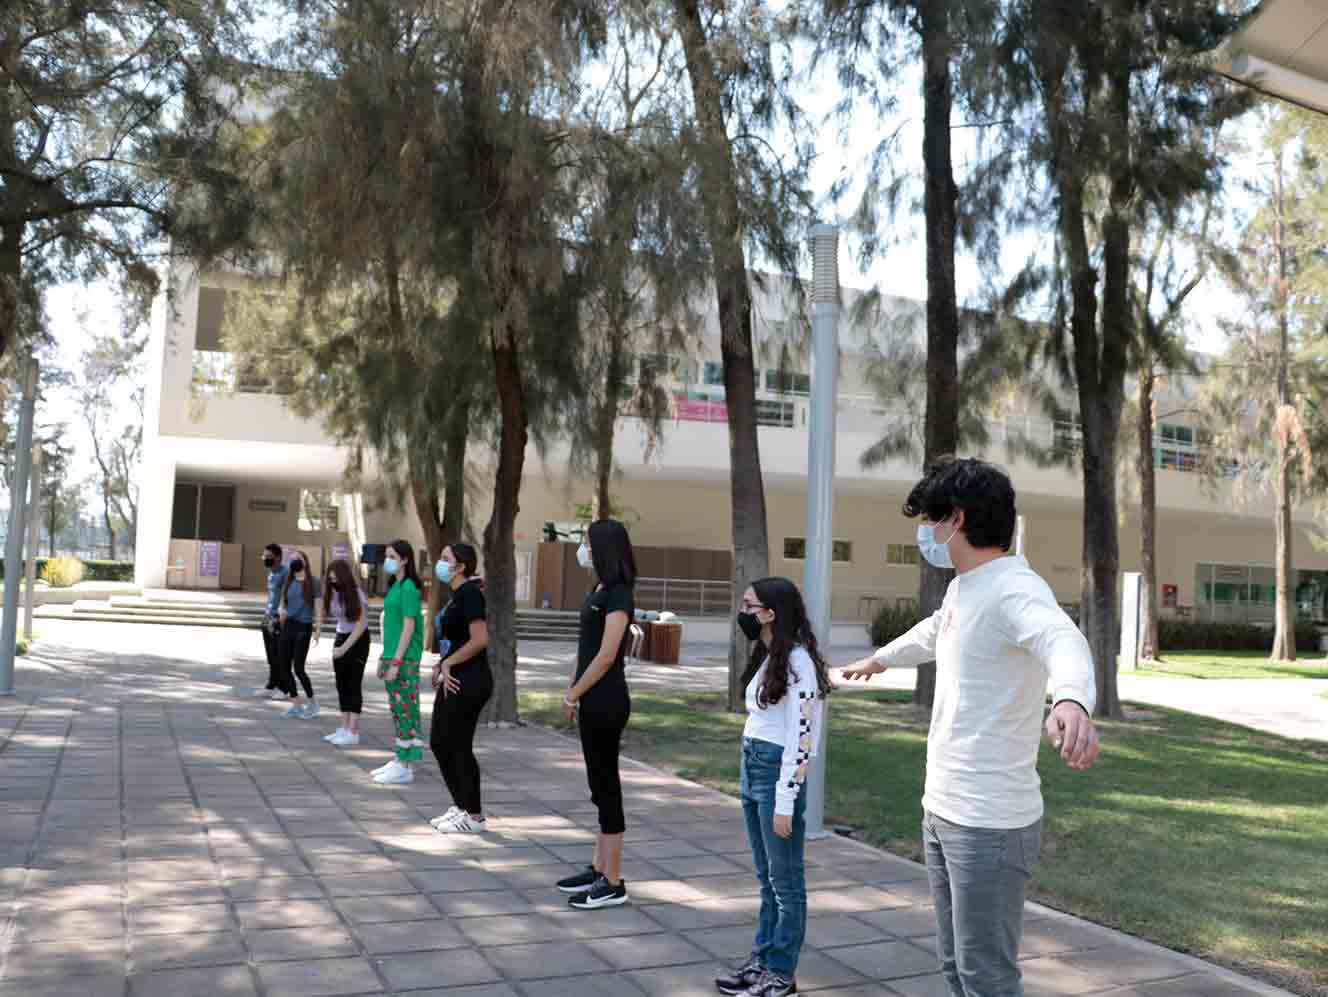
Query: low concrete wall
[715,630]
[83,590]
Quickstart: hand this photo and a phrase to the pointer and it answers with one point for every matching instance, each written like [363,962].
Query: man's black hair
[982,490]
[274,549]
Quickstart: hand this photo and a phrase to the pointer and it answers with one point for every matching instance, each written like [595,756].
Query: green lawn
[1236,665]
[1200,835]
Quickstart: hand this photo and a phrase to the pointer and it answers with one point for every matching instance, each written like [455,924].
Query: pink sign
[699,410]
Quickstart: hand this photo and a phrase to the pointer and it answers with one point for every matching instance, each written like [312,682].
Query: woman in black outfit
[598,700]
[464,683]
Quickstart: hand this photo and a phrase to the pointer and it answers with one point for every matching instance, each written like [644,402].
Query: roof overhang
[1282,52]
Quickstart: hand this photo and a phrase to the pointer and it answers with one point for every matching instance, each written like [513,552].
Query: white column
[816,579]
[152,544]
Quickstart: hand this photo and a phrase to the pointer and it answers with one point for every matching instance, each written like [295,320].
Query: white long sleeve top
[794,723]
[996,640]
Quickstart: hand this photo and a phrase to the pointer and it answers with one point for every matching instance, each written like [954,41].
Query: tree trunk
[751,544]
[1148,644]
[605,421]
[424,490]
[110,523]
[941,429]
[11,276]
[500,534]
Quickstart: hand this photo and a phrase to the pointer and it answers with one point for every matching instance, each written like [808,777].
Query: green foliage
[93,571]
[1196,635]
[108,106]
[62,572]
[891,622]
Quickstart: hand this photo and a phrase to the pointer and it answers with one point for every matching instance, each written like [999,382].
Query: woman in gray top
[296,613]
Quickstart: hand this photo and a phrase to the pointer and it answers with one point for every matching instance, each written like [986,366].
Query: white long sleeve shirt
[996,640]
[794,723]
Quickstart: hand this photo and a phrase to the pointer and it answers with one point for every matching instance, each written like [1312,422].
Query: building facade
[225,462]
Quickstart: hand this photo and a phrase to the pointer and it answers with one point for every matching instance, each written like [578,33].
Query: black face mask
[749,625]
[334,586]
[269,561]
[297,566]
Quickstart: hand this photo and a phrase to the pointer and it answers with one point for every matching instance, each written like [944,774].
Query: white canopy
[1282,52]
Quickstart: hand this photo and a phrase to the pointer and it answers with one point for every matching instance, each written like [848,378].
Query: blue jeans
[978,877]
[779,861]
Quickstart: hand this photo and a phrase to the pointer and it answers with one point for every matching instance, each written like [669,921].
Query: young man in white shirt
[997,638]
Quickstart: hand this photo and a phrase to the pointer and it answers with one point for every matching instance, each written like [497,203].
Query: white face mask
[934,551]
[583,557]
[391,565]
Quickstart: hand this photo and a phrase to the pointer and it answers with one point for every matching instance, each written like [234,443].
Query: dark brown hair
[790,629]
[467,557]
[290,577]
[340,576]
[406,554]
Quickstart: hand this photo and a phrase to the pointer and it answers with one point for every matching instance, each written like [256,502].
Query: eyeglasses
[750,607]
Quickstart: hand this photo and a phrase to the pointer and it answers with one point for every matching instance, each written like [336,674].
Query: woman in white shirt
[786,681]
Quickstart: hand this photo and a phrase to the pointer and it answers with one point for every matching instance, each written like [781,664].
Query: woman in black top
[464,683]
[598,700]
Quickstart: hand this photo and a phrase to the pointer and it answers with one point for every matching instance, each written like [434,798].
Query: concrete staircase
[238,611]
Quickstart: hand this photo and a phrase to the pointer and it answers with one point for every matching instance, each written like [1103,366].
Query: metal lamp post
[821,478]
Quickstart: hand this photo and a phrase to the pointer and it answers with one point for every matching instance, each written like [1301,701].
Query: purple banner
[209,559]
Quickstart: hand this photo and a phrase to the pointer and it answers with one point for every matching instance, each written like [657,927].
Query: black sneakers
[739,978]
[601,894]
[581,882]
[773,984]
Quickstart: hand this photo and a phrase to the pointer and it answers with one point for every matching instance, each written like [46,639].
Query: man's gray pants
[978,878]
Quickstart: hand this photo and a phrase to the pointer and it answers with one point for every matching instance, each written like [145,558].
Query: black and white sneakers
[600,894]
[580,882]
[738,979]
[772,984]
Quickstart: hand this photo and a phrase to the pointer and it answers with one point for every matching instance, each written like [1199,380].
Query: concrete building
[226,462]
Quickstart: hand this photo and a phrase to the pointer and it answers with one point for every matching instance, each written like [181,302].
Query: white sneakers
[395,774]
[460,822]
[311,711]
[296,712]
[342,737]
[444,818]
[263,692]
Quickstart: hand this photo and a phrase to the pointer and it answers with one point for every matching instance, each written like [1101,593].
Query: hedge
[1172,634]
[93,571]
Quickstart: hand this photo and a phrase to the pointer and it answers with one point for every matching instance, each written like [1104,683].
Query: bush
[892,622]
[62,572]
[1200,635]
[108,571]
[94,571]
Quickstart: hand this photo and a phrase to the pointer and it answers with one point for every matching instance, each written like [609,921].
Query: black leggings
[292,650]
[602,719]
[452,733]
[350,672]
[271,637]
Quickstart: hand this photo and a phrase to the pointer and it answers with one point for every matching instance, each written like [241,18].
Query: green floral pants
[403,695]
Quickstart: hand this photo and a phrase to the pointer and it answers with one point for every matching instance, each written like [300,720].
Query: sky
[77,314]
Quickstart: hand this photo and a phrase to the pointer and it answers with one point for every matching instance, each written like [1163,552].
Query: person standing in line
[599,702]
[399,668]
[786,681]
[997,638]
[276,580]
[464,684]
[345,602]
[296,616]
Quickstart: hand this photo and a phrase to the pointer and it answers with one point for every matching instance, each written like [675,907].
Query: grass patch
[1234,665]
[1199,835]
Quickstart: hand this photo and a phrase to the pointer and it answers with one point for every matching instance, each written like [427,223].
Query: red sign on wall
[699,410]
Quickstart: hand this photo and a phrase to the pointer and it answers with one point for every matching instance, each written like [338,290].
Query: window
[1176,434]
[319,511]
[713,373]
[795,549]
[902,554]
[788,382]
[770,413]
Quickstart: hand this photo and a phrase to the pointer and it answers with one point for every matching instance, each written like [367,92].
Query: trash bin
[665,643]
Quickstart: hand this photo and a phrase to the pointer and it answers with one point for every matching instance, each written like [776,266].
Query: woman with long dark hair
[786,681]
[344,601]
[399,667]
[299,593]
[464,683]
[599,702]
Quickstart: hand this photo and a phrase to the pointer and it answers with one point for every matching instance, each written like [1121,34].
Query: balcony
[218,373]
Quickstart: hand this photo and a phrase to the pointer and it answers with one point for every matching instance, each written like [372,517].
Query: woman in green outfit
[399,667]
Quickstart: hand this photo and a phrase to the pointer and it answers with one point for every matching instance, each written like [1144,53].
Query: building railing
[685,596]
[216,372]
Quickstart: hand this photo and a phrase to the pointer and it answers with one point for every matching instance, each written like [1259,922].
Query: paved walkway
[161,834]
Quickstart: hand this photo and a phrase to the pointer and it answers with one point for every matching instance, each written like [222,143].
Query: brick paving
[163,834]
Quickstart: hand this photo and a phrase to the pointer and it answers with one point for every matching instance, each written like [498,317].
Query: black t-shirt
[594,613]
[464,608]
